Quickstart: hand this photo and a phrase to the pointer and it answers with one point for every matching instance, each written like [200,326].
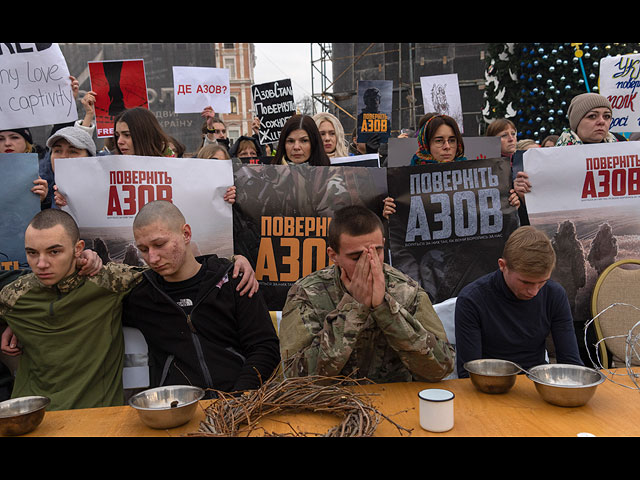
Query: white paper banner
[120,185]
[620,83]
[35,88]
[196,88]
[578,177]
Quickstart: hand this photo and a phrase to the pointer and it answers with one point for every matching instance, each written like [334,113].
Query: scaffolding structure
[320,81]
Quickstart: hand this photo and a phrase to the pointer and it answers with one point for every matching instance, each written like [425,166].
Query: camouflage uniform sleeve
[415,332]
[315,340]
[118,277]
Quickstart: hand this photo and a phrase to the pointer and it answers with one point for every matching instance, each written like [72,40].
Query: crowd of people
[205,319]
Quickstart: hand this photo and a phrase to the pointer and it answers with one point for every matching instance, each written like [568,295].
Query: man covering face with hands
[361,317]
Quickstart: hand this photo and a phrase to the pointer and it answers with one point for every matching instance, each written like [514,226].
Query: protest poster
[282,214]
[441,94]
[451,222]
[35,88]
[195,88]
[375,99]
[120,185]
[619,79]
[274,104]
[586,198]
[119,85]
[19,205]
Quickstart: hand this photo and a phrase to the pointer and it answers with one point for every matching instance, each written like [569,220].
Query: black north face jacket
[226,343]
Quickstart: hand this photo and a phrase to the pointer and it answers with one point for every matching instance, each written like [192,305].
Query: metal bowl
[167,407]
[22,415]
[565,385]
[492,375]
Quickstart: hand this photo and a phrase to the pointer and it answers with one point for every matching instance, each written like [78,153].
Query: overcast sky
[277,61]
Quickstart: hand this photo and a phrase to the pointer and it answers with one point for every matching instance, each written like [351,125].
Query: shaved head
[163,239]
[160,210]
[50,217]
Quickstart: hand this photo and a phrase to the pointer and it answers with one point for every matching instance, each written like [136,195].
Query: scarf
[569,137]
[423,156]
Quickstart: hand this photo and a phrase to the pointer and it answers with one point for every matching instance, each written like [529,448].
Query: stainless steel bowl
[492,375]
[22,415]
[167,407]
[565,385]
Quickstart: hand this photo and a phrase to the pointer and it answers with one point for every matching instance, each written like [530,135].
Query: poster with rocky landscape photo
[105,193]
[587,199]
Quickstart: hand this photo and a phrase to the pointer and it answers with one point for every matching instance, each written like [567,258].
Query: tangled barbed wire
[632,348]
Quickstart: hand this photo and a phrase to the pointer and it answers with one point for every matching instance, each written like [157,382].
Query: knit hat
[24,132]
[76,136]
[583,104]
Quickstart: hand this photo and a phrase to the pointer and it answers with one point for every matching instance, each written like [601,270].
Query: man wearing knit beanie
[590,117]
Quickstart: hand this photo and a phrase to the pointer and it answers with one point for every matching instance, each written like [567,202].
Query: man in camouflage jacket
[360,316]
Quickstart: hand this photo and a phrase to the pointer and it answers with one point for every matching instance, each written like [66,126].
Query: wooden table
[613,411]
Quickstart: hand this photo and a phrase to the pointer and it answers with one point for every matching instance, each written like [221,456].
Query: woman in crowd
[213,151]
[506,130]
[18,140]
[300,143]
[137,132]
[246,148]
[589,122]
[549,141]
[526,144]
[439,141]
[332,134]
[70,142]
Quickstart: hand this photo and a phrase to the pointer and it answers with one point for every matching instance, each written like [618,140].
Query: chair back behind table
[618,283]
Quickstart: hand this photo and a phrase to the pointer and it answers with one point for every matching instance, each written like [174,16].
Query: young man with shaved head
[199,327]
[508,314]
[360,316]
[69,325]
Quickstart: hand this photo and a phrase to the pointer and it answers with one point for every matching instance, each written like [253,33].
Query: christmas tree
[532,84]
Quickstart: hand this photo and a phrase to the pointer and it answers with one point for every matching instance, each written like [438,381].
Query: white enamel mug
[436,409]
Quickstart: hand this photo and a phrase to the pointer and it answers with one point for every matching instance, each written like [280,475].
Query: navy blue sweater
[492,323]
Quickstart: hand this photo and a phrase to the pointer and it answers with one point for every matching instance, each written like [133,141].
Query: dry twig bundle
[231,415]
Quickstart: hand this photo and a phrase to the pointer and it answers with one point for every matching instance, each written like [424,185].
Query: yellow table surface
[613,411]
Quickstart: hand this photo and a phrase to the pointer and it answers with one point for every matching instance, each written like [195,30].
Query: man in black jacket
[199,328]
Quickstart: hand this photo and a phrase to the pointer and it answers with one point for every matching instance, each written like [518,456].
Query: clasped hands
[366,284]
